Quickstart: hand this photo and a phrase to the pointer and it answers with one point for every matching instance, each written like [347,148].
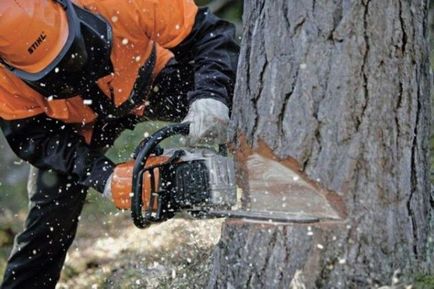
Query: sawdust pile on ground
[174,254]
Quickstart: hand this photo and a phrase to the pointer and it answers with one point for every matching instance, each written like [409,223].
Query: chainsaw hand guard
[143,220]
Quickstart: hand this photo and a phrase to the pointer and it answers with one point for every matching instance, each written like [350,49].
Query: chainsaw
[199,181]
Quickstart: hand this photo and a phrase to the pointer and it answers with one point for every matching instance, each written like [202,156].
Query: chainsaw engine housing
[175,179]
[195,180]
[201,178]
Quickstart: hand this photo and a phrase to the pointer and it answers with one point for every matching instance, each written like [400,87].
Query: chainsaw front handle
[143,220]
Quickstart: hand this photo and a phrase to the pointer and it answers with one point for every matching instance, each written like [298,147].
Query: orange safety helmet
[61,50]
[58,48]
[32,33]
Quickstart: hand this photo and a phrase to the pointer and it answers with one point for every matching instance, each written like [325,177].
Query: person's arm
[212,48]
[197,36]
[51,144]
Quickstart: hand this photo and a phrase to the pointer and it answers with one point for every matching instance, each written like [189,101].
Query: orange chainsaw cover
[122,187]
[137,25]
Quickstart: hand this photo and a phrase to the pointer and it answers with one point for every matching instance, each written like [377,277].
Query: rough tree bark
[342,89]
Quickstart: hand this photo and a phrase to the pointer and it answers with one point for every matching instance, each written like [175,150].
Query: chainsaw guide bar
[260,216]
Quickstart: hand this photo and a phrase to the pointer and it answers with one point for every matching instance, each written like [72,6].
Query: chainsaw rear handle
[140,220]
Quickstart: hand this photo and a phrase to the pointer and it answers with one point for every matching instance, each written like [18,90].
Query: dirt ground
[109,252]
[173,254]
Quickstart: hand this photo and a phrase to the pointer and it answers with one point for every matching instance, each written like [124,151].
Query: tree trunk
[339,92]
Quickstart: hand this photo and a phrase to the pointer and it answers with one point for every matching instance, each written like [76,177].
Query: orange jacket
[46,132]
[136,25]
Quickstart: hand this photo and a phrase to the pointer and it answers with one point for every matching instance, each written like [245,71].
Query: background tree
[340,91]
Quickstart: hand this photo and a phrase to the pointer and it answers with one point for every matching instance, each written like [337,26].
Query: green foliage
[13,197]
[424,282]
[232,11]
[128,141]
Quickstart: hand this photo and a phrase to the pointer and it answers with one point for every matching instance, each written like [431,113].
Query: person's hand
[209,120]
[119,186]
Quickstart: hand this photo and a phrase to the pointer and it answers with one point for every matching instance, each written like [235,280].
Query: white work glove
[209,120]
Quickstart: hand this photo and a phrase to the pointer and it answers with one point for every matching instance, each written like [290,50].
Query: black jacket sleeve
[51,144]
[212,48]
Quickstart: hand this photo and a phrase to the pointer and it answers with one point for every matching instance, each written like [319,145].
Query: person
[73,76]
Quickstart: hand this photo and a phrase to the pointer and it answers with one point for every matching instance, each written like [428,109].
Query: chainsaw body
[191,179]
[200,178]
